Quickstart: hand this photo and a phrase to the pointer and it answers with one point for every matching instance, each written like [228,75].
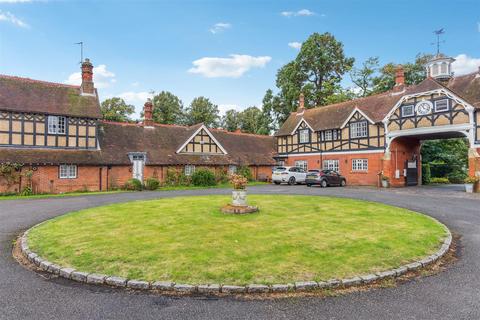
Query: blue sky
[228,51]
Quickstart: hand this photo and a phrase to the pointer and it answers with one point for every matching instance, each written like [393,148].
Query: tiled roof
[160,143]
[27,95]
[376,107]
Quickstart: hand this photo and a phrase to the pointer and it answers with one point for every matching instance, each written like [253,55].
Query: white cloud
[299,13]
[464,64]
[136,99]
[295,45]
[233,67]
[220,27]
[102,77]
[9,17]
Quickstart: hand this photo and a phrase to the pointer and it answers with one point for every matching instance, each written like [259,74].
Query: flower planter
[469,187]
[239,197]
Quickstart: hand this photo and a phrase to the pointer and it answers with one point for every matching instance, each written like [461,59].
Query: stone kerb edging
[101,279]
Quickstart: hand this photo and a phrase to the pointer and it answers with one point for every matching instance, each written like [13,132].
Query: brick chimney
[301,103]
[148,114]
[399,78]
[87,87]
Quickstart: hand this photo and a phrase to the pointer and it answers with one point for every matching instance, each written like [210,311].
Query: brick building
[56,131]
[382,134]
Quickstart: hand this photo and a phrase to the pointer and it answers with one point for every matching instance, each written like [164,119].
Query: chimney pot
[301,103]
[399,78]
[148,114]
[87,87]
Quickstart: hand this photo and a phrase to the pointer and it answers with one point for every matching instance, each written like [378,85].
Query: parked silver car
[290,175]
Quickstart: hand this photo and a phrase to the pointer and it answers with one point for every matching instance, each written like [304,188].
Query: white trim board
[298,125]
[427,130]
[351,115]
[329,153]
[209,134]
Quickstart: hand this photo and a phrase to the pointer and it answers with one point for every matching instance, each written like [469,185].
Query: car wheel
[291,181]
[323,183]
[276,182]
[343,183]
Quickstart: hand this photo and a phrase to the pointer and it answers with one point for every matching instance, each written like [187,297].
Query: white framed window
[56,125]
[331,165]
[408,111]
[435,70]
[302,164]
[443,68]
[232,169]
[189,169]
[67,171]
[328,135]
[304,136]
[359,129]
[359,164]
[441,105]
[335,134]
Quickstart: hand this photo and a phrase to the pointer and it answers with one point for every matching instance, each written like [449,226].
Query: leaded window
[67,171]
[359,129]
[360,165]
[56,125]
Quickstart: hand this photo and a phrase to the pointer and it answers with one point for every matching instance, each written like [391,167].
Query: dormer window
[304,136]
[56,125]
[359,129]
[328,135]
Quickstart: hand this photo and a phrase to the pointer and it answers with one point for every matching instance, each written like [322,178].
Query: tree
[167,108]
[202,110]
[363,77]
[251,121]
[316,72]
[115,109]
[230,120]
[414,74]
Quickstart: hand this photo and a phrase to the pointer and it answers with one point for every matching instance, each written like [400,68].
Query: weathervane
[81,51]
[438,33]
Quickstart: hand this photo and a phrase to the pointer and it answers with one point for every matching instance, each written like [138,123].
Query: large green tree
[316,71]
[363,77]
[414,73]
[231,120]
[201,109]
[252,121]
[167,108]
[116,109]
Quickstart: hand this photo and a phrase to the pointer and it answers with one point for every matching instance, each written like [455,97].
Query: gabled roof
[34,96]
[197,129]
[376,107]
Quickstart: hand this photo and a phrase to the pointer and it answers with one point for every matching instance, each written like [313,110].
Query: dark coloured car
[325,178]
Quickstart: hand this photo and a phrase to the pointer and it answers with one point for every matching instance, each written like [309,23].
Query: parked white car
[290,175]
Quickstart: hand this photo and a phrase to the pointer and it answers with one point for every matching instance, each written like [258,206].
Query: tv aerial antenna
[81,50]
[438,33]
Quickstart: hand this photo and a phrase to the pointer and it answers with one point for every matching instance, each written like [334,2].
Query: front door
[411,177]
[138,169]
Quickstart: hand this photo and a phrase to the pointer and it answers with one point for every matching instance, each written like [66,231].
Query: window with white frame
[328,135]
[56,125]
[232,169]
[304,136]
[441,105]
[408,111]
[331,165]
[67,171]
[302,164]
[360,165]
[335,134]
[189,169]
[359,129]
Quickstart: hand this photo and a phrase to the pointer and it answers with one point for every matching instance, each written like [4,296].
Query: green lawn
[188,239]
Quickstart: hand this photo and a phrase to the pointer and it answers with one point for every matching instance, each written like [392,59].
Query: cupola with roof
[440,67]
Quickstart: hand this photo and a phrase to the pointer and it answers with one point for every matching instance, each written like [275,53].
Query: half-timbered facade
[379,135]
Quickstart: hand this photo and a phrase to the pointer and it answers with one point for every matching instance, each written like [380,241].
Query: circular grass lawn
[189,240]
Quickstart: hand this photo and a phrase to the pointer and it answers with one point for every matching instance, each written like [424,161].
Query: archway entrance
[404,161]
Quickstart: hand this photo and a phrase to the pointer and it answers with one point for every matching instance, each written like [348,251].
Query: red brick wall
[368,178]
[402,149]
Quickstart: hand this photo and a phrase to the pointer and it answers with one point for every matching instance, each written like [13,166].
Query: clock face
[423,107]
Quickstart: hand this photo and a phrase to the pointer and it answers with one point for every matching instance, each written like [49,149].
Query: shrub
[239,182]
[457,177]
[471,180]
[426,174]
[246,172]
[440,180]
[152,184]
[204,178]
[27,191]
[222,176]
[133,185]
[172,177]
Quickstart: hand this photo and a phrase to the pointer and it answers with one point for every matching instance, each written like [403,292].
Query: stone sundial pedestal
[239,204]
